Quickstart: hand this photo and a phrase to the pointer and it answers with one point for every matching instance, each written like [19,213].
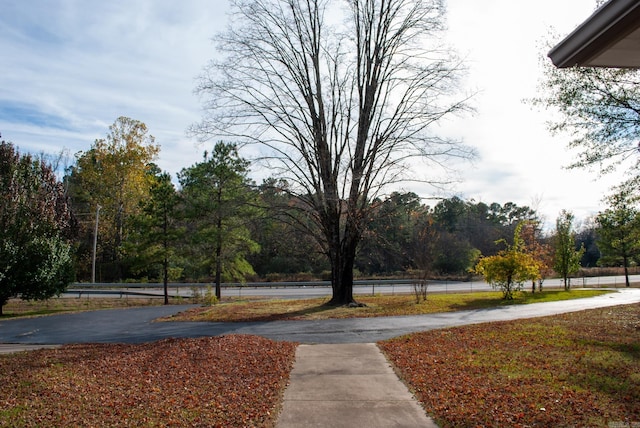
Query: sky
[72,67]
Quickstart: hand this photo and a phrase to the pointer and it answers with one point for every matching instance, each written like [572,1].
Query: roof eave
[607,25]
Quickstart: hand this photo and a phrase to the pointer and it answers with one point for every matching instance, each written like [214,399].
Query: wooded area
[217,222]
[340,108]
[219,225]
[128,221]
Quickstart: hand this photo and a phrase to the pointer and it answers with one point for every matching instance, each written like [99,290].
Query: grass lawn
[260,309]
[379,305]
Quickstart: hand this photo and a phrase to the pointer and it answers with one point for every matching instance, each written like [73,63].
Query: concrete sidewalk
[347,385]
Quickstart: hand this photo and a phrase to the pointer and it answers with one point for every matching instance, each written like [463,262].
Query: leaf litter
[227,381]
[573,370]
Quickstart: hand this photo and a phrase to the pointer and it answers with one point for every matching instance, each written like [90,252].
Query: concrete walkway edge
[348,385]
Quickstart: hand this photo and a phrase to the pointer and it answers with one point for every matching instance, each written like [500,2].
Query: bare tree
[341,95]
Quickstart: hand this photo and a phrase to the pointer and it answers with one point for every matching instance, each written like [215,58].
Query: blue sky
[71,67]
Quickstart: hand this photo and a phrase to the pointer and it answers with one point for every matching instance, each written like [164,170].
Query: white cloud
[72,67]
[519,160]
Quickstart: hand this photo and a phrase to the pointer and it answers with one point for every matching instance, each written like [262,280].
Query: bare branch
[340,95]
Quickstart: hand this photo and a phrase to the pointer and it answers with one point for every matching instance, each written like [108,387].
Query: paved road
[274,291]
[277,290]
[136,325]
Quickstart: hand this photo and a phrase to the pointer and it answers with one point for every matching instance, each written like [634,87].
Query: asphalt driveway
[137,325]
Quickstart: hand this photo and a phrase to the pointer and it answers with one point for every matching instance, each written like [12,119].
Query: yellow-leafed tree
[510,268]
[112,178]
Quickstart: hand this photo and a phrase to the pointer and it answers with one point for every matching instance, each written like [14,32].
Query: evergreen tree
[219,202]
[156,231]
[619,233]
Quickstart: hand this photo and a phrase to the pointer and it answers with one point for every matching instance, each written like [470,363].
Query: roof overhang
[609,38]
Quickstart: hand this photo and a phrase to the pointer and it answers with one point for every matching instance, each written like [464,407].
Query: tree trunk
[342,262]
[165,274]
[507,295]
[626,271]
[165,261]
[626,276]
[219,246]
[218,278]
[219,260]
[342,284]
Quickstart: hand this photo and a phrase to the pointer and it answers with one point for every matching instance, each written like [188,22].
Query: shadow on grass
[608,369]
[484,303]
[305,312]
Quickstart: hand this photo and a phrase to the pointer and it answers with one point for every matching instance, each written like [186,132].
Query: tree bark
[165,260]
[626,272]
[219,261]
[342,276]
[219,246]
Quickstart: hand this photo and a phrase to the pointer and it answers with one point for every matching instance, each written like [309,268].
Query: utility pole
[95,245]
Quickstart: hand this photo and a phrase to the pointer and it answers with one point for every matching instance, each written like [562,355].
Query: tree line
[115,216]
[338,104]
[217,224]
